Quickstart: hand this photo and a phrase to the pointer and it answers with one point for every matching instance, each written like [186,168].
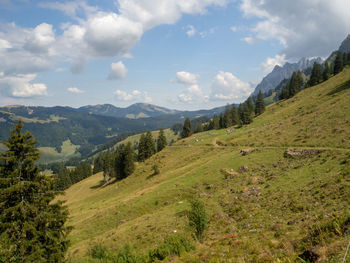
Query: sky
[179,54]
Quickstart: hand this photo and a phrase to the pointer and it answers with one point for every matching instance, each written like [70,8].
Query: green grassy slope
[263,212]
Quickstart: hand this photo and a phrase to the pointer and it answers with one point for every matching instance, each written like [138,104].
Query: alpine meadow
[193,131]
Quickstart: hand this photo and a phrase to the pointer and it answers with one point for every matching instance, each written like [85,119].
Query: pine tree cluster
[67,177]
[32,224]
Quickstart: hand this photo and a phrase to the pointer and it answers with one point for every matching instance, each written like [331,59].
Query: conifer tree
[227,117]
[199,127]
[216,122]
[187,129]
[31,223]
[338,63]
[259,104]
[246,114]
[221,121]
[316,75]
[161,142]
[235,116]
[326,72]
[250,105]
[345,59]
[142,148]
[124,161]
[150,145]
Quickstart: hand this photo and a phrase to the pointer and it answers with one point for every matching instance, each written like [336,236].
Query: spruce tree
[326,72]
[338,63]
[187,129]
[227,117]
[235,116]
[31,223]
[161,142]
[221,121]
[150,145]
[246,114]
[216,122]
[259,104]
[250,105]
[124,161]
[142,155]
[199,127]
[316,75]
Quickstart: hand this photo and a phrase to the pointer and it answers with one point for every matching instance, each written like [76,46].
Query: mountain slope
[135,111]
[345,45]
[264,206]
[278,74]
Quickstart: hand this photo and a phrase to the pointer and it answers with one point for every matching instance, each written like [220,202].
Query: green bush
[98,251]
[172,245]
[198,218]
[128,255]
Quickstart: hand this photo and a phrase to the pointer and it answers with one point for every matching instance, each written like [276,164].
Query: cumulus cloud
[21,85]
[270,63]
[135,95]
[40,39]
[184,77]
[304,32]
[118,71]
[227,87]
[75,90]
[191,31]
[249,40]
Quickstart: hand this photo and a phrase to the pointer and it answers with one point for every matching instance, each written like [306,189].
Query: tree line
[319,73]
[67,177]
[120,163]
[232,116]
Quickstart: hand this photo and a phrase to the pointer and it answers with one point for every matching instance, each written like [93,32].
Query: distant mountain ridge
[134,111]
[278,74]
[345,45]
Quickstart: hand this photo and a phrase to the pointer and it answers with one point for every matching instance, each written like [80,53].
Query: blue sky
[182,54]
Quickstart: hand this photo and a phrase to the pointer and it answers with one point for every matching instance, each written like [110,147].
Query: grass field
[263,206]
[49,154]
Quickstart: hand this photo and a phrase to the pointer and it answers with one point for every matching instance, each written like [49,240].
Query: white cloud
[185,98]
[249,40]
[234,28]
[40,39]
[304,32]
[184,77]
[191,31]
[75,90]
[118,71]
[21,85]
[228,87]
[91,34]
[270,63]
[135,95]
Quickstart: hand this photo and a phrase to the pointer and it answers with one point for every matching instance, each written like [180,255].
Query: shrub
[198,219]
[155,169]
[98,251]
[172,245]
[128,255]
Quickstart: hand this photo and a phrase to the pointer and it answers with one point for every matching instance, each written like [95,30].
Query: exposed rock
[301,152]
[244,152]
[228,172]
[243,169]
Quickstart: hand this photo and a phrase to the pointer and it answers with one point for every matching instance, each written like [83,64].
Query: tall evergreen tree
[250,105]
[221,120]
[161,142]
[216,122]
[31,223]
[246,117]
[124,161]
[150,145]
[326,72]
[338,63]
[199,127]
[259,104]
[228,117]
[235,116]
[187,129]
[316,75]
[142,155]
